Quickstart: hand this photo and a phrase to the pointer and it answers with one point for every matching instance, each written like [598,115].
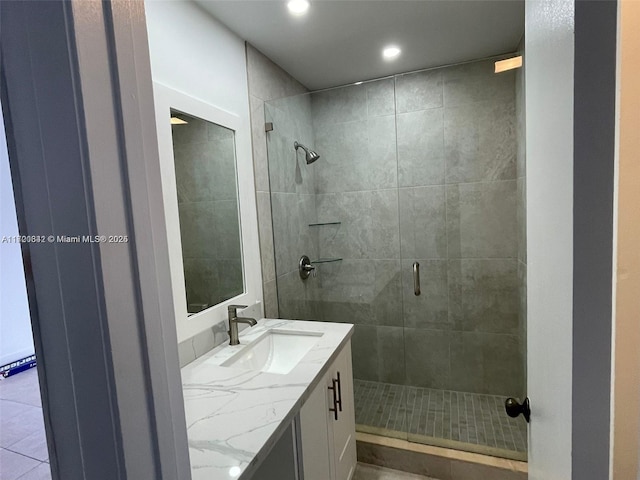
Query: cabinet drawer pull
[339,392]
[334,389]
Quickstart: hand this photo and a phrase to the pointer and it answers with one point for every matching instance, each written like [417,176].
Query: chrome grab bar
[416,278]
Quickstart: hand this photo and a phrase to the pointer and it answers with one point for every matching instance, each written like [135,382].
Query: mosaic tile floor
[461,420]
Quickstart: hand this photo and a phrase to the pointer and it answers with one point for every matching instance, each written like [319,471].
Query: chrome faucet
[234,320]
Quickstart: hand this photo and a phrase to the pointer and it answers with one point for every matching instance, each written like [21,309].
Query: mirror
[206,183]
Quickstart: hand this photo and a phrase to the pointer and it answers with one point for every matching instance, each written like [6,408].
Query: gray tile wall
[423,167]
[293,204]
[458,218]
[357,185]
[434,180]
[268,82]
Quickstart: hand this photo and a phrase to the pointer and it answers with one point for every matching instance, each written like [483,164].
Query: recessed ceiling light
[177,121]
[298,7]
[390,52]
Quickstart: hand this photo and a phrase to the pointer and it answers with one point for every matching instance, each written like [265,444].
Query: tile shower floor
[467,421]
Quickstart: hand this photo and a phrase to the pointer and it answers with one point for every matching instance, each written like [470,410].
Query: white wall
[16,341]
[193,53]
[549,47]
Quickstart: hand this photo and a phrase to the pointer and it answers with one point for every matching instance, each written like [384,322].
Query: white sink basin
[277,351]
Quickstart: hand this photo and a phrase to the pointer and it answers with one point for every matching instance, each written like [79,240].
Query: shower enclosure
[419,175]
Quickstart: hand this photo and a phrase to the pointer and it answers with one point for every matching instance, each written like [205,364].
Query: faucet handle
[232,309]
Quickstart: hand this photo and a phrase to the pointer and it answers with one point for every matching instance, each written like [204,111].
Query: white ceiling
[340,41]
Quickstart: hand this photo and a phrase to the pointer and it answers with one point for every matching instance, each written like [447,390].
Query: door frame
[570,49]
[78,108]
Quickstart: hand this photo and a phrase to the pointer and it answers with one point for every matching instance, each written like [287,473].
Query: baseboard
[436,462]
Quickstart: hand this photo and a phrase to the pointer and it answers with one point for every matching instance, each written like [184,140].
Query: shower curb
[436,462]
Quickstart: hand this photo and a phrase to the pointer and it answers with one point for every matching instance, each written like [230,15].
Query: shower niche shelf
[326,260]
[324,223]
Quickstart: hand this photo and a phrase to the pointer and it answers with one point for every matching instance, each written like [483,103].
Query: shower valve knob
[514,408]
[305,268]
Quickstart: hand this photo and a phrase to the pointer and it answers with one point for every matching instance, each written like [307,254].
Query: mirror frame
[165,99]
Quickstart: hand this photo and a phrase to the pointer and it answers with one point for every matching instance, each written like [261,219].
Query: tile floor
[23,447]
[413,412]
[465,417]
[373,472]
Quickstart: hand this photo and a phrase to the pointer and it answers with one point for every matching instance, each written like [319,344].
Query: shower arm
[297,145]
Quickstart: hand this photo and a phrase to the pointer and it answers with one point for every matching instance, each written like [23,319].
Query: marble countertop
[234,417]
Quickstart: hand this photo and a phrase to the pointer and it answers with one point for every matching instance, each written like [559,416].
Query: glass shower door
[459,211]
[422,172]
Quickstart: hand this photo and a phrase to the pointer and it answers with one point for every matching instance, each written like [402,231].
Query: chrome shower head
[310,156]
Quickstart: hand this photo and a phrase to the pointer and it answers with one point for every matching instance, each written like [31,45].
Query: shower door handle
[416,278]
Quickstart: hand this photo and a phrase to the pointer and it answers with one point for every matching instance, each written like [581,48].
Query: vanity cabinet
[327,424]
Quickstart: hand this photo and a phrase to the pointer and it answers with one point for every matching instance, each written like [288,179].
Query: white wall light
[298,7]
[390,52]
[508,64]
